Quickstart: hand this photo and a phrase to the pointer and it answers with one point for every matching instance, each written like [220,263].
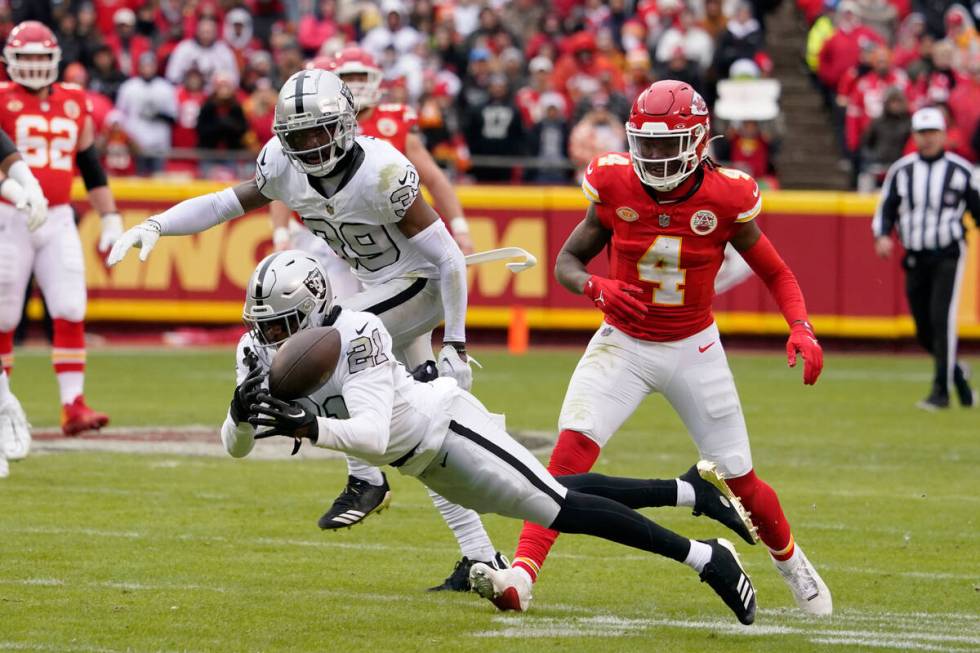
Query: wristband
[459,226]
[111,214]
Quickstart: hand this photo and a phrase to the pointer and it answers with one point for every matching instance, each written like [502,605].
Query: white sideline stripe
[23,646]
[120,585]
[885,642]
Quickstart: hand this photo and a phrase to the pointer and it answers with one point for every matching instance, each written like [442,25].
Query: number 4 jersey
[46,132]
[671,251]
[359,221]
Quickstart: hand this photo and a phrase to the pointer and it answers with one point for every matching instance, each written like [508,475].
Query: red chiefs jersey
[390,122]
[46,132]
[671,251]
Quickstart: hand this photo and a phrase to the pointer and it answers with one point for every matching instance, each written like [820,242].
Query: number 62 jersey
[46,132]
[672,251]
[359,221]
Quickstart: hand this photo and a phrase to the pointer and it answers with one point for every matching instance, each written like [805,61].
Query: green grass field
[108,552]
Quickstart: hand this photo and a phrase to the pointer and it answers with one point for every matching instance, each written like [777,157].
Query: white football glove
[29,199]
[112,229]
[452,364]
[15,432]
[144,235]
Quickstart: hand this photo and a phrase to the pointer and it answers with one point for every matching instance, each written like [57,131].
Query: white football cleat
[508,589]
[15,431]
[809,590]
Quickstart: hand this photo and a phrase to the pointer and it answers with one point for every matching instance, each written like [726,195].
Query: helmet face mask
[365,86]
[315,121]
[288,292]
[316,148]
[32,55]
[668,134]
[663,161]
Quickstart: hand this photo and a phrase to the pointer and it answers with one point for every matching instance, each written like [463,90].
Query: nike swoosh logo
[444,459]
[755,192]
[361,330]
[706,347]
[262,159]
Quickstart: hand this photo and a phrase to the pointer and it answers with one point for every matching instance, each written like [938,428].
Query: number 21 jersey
[672,251]
[359,221]
[46,132]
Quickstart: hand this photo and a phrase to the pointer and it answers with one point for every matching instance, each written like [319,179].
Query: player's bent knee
[69,312]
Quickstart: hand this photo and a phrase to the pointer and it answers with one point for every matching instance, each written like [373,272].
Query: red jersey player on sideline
[52,127]
[667,213]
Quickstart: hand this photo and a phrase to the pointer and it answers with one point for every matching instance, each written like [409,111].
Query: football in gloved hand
[304,362]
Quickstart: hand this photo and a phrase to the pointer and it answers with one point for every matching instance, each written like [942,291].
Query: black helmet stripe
[260,278]
[298,97]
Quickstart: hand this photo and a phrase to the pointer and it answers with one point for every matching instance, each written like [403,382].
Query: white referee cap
[928,118]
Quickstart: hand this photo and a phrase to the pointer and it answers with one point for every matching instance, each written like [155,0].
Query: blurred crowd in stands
[550,83]
[878,61]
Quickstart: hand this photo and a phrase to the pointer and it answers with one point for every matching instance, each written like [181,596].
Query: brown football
[304,362]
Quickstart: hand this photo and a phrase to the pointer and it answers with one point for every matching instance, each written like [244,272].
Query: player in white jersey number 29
[361,196]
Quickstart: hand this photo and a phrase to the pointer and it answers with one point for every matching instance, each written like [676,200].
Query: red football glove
[615,298]
[802,340]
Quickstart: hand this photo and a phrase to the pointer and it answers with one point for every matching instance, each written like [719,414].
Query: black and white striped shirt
[925,199]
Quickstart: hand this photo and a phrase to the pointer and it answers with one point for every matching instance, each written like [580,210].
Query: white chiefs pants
[618,371]
[53,253]
[479,466]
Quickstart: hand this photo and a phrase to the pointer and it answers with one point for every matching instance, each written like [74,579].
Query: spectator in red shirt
[964,104]
[939,78]
[841,50]
[260,110]
[126,44]
[577,71]
[907,40]
[867,99]
[750,149]
[105,12]
[317,27]
[639,73]
[190,98]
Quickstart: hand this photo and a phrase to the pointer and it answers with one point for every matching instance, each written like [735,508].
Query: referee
[924,196]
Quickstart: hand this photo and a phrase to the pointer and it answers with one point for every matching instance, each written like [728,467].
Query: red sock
[573,454]
[7,351]
[761,500]
[68,358]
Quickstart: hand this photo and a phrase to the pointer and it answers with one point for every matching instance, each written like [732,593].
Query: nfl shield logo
[664,220]
[606,331]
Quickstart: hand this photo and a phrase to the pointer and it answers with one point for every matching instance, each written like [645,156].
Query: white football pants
[618,371]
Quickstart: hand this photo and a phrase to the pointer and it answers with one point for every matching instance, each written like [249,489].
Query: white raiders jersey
[369,384]
[359,221]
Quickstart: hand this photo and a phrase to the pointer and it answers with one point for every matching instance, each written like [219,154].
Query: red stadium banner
[825,238]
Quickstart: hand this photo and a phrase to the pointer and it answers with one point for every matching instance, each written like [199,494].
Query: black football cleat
[961,380]
[935,401]
[713,498]
[725,575]
[459,580]
[358,500]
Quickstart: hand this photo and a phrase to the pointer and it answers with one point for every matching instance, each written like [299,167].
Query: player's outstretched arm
[765,261]
[443,196]
[613,297]
[189,217]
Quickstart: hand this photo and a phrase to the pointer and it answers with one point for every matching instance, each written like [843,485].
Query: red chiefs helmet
[32,55]
[668,132]
[361,73]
